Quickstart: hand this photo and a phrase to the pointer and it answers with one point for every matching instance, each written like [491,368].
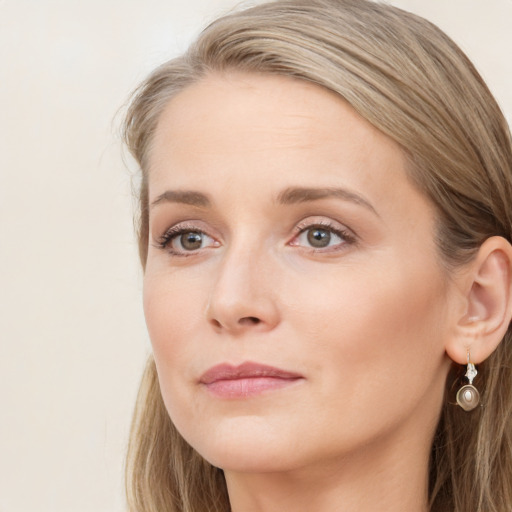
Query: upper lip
[246,370]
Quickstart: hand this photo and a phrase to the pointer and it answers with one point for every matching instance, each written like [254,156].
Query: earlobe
[488,311]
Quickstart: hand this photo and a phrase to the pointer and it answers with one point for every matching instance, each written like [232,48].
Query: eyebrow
[189,197]
[291,195]
[294,195]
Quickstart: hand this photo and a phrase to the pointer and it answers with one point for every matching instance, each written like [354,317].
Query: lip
[245,380]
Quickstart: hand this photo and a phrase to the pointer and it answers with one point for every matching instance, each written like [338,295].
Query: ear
[486,285]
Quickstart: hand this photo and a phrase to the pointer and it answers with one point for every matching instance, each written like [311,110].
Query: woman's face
[293,293]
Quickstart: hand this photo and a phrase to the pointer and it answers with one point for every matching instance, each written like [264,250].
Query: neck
[389,477]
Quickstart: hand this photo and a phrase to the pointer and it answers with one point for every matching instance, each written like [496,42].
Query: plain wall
[72,334]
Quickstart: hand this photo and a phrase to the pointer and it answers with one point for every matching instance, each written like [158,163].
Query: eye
[320,236]
[182,240]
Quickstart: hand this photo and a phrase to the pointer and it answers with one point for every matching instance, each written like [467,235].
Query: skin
[364,320]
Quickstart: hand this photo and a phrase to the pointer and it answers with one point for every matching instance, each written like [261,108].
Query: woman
[325,231]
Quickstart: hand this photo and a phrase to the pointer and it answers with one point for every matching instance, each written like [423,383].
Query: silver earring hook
[471,372]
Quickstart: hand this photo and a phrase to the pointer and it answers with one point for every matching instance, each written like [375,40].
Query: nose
[243,295]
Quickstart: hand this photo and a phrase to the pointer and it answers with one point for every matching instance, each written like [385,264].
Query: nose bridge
[241,296]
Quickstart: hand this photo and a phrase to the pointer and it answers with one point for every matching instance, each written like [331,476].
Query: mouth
[245,380]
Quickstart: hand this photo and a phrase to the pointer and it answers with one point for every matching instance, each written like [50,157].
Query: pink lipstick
[245,380]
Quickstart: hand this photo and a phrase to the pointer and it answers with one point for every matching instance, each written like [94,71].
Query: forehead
[239,104]
[272,122]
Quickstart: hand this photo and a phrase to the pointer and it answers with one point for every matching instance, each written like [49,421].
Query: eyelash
[347,237]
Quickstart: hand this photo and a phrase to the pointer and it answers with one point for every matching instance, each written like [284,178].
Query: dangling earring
[468,396]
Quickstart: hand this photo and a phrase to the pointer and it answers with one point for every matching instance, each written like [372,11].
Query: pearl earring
[468,396]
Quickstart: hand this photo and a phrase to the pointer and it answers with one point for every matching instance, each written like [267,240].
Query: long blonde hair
[414,84]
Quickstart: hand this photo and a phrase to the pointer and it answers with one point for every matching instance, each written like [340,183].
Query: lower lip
[247,387]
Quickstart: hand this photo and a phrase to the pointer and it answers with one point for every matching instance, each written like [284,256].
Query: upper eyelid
[187,225]
[324,222]
[305,224]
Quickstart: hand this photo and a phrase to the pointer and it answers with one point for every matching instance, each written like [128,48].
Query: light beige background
[72,332]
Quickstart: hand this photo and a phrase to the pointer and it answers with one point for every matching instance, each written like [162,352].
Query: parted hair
[413,83]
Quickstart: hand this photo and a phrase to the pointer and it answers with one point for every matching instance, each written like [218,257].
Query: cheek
[374,325]
[366,341]
[171,310]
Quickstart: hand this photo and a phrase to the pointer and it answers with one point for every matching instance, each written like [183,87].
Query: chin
[248,459]
[245,445]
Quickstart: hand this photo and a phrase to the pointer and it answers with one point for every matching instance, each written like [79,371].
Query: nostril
[216,323]
[249,320]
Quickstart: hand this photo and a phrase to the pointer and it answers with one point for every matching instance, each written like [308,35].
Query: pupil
[191,241]
[319,237]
